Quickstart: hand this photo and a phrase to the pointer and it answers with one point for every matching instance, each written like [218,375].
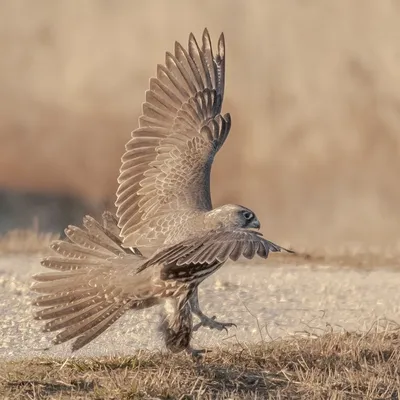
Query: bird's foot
[213,324]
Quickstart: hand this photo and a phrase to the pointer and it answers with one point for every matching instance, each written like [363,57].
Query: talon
[213,324]
[197,326]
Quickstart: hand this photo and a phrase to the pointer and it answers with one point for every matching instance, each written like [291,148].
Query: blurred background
[313,88]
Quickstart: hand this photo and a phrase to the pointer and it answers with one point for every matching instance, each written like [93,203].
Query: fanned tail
[93,282]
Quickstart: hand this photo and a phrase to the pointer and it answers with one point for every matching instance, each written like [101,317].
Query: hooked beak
[255,224]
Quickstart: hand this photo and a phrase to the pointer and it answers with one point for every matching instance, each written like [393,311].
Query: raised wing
[165,172]
[212,249]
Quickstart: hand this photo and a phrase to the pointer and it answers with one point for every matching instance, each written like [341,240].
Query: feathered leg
[177,326]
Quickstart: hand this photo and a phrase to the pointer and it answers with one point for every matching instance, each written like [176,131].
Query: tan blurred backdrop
[313,88]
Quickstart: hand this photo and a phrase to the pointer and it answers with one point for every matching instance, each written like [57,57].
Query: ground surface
[333,366]
[341,339]
[266,301]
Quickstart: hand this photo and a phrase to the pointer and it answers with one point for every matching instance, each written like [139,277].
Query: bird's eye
[248,215]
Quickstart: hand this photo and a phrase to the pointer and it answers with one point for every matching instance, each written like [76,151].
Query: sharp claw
[197,326]
[213,324]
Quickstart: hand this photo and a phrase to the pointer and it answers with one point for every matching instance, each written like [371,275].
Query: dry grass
[334,366]
[26,241]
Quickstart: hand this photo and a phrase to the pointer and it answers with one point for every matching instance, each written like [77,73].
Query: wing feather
[167,163]
[213,247]
[249,250]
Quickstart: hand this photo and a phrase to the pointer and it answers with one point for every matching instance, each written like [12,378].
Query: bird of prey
[166,237]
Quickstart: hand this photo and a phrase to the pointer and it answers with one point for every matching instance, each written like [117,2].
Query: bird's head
[232,216]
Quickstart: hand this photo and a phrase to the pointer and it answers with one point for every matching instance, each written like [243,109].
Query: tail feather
[56,276]
[68,308]
[69,320]
[86,240]
[110,224]
[67,264]
[111,238]
[64,285]
[99,317]
[93,284]
[100,327]
[62,297]
[75,251]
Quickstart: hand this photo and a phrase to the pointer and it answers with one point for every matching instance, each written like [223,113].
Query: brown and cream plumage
[164,182]
[167,238]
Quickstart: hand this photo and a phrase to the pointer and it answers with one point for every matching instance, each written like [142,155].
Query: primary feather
[166,237]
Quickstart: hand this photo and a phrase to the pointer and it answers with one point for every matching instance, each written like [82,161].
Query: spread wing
[212,249]
[165,170]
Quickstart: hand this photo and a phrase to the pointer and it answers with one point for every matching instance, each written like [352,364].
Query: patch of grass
[333,365]
[26,241]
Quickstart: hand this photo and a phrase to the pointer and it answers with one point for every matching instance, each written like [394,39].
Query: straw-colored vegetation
[332,366]
[26,241]
[314,92]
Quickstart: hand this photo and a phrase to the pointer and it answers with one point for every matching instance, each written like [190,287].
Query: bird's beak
[255,224]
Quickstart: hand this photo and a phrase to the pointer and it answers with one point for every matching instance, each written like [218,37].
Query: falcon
[166,237]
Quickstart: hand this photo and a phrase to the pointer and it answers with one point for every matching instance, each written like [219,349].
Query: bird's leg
[204,320]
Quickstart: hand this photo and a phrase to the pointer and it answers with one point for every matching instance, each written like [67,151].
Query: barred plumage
[166,238]
[177,325]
